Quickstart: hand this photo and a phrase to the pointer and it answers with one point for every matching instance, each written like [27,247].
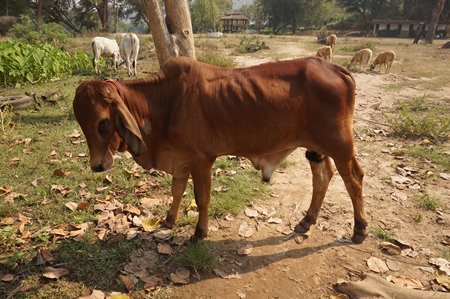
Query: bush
[21,62]
[51,33]
[251,45]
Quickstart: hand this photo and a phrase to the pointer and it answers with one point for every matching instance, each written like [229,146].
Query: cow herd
[129,48]
[362,57]
[105,47]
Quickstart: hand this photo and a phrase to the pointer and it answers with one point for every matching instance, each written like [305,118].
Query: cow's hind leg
[352,174]
[178,188]
[322,172]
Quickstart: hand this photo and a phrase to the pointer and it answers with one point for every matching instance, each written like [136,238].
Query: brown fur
[185,116]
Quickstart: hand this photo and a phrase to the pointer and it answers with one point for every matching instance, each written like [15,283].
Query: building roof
[235,15]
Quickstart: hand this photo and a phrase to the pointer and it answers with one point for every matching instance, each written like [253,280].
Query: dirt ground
[282,267]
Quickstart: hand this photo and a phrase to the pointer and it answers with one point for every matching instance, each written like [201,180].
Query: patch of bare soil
[285,266]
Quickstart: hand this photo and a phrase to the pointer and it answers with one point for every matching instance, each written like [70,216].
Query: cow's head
[106,122]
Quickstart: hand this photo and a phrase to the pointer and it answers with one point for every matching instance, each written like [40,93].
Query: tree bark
[173,35]
[434,21]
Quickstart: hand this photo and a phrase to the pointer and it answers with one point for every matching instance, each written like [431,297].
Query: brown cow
[189,113]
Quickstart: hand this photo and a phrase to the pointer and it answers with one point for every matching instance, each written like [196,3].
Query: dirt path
[279,267]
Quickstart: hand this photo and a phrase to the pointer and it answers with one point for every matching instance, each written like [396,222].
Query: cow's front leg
[322,172]
[201,176]
[178,188]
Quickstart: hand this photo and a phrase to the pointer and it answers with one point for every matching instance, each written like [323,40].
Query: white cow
[129,47]
[105,47]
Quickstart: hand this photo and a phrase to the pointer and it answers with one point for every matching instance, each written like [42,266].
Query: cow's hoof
[168,224]
[358,239]
[301,229]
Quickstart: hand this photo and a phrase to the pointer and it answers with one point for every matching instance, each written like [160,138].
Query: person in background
[418,32]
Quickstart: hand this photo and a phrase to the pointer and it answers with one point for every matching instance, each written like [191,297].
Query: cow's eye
[103,127]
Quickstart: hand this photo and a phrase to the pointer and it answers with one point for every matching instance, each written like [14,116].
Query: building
[403,28]
[234,22]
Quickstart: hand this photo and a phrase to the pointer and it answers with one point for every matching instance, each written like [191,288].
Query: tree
[204,12]
[367,10]
[173,34]
[434,21]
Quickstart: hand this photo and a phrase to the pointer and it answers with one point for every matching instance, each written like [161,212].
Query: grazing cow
[105,47]
[182,118]
[91,25]
[331,41]
[129,47]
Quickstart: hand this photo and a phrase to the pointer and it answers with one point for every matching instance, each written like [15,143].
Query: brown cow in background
[91,25]
[189,113]
[6,22]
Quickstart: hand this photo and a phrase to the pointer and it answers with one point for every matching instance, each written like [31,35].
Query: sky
[238,3]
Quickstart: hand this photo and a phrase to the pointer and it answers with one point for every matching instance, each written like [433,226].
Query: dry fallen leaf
[164,248]
[61,172]
[5,189]
[192,206]
[443,279]
[96,294]
[71,205]
[408,282]
[150,224]
[43,257]
[37,182]
[82,205]
[7,221]
[128,281]
[131,209]
[251,213]
[177,279]
[7,277]
[391,248]
[74,134]
[152,282]
[339,296]
[55,273]
[245,249]
[183,272]
[377,265]
[246,230]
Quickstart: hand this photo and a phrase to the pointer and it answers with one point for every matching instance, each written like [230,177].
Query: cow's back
[269,107]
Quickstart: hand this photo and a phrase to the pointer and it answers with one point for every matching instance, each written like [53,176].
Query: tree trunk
[173,36]
[373,286]
[39,13]
[434,21]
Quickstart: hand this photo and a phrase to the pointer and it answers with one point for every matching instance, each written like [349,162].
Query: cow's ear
[128,129]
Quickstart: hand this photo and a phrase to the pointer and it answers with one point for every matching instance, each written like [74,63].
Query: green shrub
[251,44]
[210,53]
[50,33]
[21,62]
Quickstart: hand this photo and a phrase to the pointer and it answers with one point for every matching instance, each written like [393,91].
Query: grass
[427,202]
[420,118]
[382,234]
[197,256]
